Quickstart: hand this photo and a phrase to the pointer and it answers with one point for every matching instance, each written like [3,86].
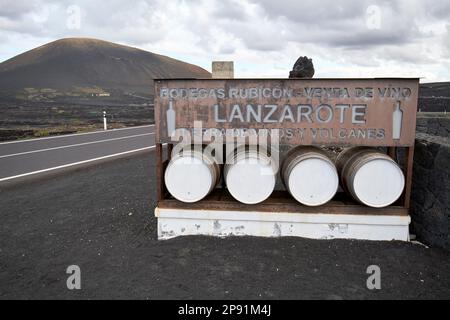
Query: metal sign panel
[371,112]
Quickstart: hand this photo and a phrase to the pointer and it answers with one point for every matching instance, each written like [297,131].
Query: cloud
[346,24]
[14,9]
[263,37]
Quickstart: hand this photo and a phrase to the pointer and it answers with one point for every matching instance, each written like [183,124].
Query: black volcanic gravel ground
[101,218]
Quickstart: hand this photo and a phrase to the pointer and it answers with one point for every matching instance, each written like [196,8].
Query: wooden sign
[370,112]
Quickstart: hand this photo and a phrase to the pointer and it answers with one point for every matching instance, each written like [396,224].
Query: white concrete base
[178,222]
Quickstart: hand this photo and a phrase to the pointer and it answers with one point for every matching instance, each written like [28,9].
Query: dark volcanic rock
[434,97]
[438,125]
[430,209]
[303,68]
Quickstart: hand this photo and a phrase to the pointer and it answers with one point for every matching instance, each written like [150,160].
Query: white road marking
[75,134]
[75,145]
[74,164]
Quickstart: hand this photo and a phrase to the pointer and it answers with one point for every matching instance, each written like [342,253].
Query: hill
[74,63]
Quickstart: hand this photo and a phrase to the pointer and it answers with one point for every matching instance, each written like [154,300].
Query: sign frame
[333,112]
[220,201]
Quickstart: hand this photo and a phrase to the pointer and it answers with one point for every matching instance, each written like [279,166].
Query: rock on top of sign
[303,68]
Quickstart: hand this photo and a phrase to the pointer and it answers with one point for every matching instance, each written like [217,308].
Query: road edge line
[74,145]
[75,134]
[74,164]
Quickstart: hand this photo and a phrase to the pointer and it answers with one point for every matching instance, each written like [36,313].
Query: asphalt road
[101,218]
[30,157]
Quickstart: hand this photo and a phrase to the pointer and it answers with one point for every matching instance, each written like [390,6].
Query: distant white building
[103,94]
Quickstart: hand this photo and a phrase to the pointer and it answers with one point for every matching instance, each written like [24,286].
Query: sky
[349,38]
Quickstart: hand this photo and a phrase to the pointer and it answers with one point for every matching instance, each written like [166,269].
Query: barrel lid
[250,180]
[313,181]
[188,179]
[379,183]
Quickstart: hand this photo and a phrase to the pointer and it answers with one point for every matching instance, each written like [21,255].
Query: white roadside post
[105,126]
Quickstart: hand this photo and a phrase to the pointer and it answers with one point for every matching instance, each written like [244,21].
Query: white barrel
[250,174]
[309,176]
[371,177]
[191,175]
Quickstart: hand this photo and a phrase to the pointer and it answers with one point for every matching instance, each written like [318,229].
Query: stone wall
[430,201]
